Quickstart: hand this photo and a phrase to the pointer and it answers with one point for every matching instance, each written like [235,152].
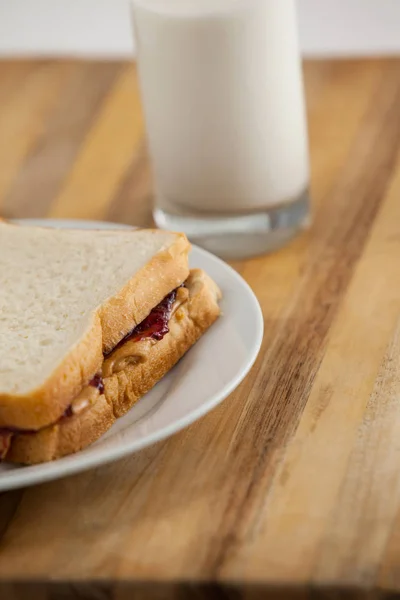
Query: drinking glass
[222,91]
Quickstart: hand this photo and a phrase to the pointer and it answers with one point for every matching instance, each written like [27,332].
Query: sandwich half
[89,322]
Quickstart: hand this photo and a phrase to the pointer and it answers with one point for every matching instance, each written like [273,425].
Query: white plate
[208,373]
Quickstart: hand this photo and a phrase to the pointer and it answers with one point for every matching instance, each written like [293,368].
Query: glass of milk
[222,90]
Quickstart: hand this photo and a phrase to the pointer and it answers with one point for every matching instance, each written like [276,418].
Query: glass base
[241,236]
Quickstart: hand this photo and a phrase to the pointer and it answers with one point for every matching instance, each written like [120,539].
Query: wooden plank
[292,482]
[22,118]
[338,97]
[366,507]
[107,152]
[133,202]
[46,166]
[13,75]
[287,535]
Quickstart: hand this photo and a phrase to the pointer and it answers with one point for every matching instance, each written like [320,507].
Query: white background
[101,28]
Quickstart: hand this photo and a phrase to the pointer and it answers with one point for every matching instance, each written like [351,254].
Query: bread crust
[162,274]
[113,320]
[126,382]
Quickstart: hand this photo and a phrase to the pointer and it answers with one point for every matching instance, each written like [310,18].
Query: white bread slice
[125,381]
[65,297]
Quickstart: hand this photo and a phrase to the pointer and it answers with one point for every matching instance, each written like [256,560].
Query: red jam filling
[155,326]
[98,383]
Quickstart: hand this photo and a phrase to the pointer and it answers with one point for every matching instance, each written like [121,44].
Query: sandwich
[90,321]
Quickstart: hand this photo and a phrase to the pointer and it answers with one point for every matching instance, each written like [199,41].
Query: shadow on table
[175,591]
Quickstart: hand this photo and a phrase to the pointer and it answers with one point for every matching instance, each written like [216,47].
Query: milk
[222,92]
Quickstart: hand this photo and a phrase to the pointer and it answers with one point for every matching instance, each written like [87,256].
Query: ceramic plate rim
[53,470]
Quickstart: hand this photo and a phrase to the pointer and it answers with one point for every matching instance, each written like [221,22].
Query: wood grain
[50,159]
[22,116]
[291,487]
[107,151]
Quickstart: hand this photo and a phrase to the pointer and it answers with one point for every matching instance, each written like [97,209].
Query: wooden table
[293,484]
